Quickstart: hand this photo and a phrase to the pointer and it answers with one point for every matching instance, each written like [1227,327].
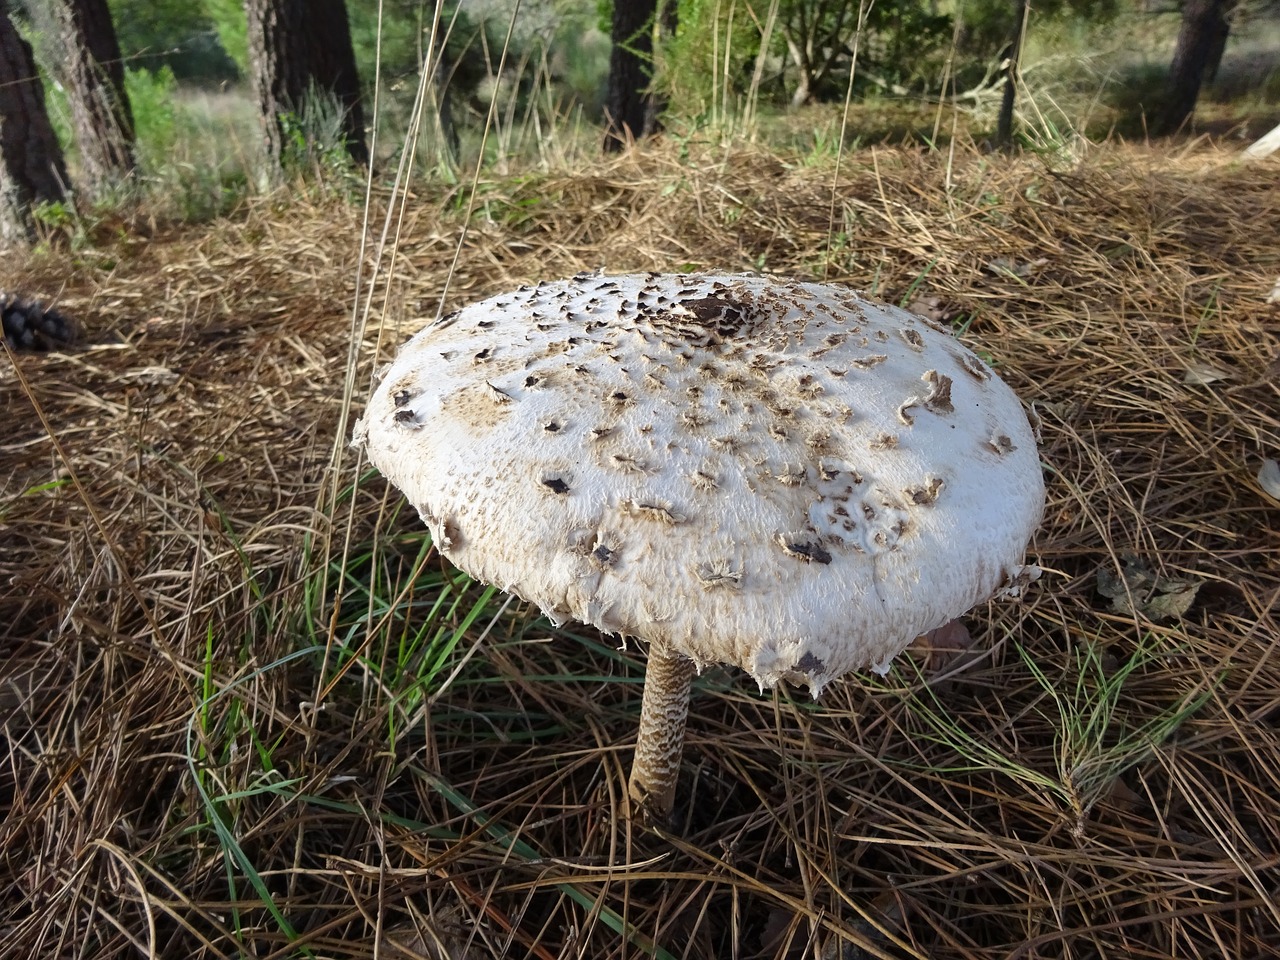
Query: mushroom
[783,476]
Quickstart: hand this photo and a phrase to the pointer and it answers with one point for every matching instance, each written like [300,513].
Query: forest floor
[247,711]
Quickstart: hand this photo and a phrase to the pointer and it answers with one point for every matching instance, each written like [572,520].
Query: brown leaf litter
[171,495]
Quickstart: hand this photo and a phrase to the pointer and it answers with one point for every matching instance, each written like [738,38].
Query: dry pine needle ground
[226,732]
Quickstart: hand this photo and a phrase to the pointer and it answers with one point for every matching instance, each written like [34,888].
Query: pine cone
[30,325]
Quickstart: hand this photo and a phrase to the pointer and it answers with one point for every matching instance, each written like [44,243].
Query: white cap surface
[779,475]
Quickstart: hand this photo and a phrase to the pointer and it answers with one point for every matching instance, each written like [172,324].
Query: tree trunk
[333,68]
[93,71]
[803,92]
[1204,31]
[630,71]
[298,49]
[1004,124]
[1219,46]
[31,166]
[656,104]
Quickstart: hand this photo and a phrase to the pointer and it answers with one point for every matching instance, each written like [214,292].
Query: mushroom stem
[663,712]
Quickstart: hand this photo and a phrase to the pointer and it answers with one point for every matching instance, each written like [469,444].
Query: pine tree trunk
[297,49]
[31,166]
[94,75]
[333,68]
[630,70]
[668,15]
[1004,124]
[1202,37]
[1221,29]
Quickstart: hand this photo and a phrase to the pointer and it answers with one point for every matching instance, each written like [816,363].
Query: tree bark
[1202,37]
[630,72]
[333,67]
[31,166]
[297,49]
[94,75]
[1004,124]
[668,17]
[1218,48]
[819,35]
[803,92]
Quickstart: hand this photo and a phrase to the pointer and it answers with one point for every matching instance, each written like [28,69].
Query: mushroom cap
[779,475]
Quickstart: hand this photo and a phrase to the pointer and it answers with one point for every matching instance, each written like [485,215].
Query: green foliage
[155,118]
[903,46]
[581,62]
[55,215]
[1103,724]
[906,46]
[471,48]
[710,60]
[186,149]
[315,141]
[58,106]
[406,31]
[472,45]
[172,33]
[228,19]
[168,125]
[987,27]
[713,59]
[553,76]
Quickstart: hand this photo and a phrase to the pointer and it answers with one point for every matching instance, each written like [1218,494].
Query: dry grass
[206,756]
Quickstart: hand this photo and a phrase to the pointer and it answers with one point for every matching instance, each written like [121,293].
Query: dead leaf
[1124,798]
[782,927]
[423,943]
[1155,597]
[1201,374]
[943,646]
[443,936]
[1269,479]
[1007,265]
[154,376]
[951,636]
[934,308]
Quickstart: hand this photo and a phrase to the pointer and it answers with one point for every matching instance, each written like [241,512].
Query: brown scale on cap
[557,485]
[927,493]
[938,399]
[1001,444]
[720,573]
[972,366]
[912,338]
[779,475]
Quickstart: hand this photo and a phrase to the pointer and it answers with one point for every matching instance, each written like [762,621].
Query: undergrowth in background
[199,151]
[196,149]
